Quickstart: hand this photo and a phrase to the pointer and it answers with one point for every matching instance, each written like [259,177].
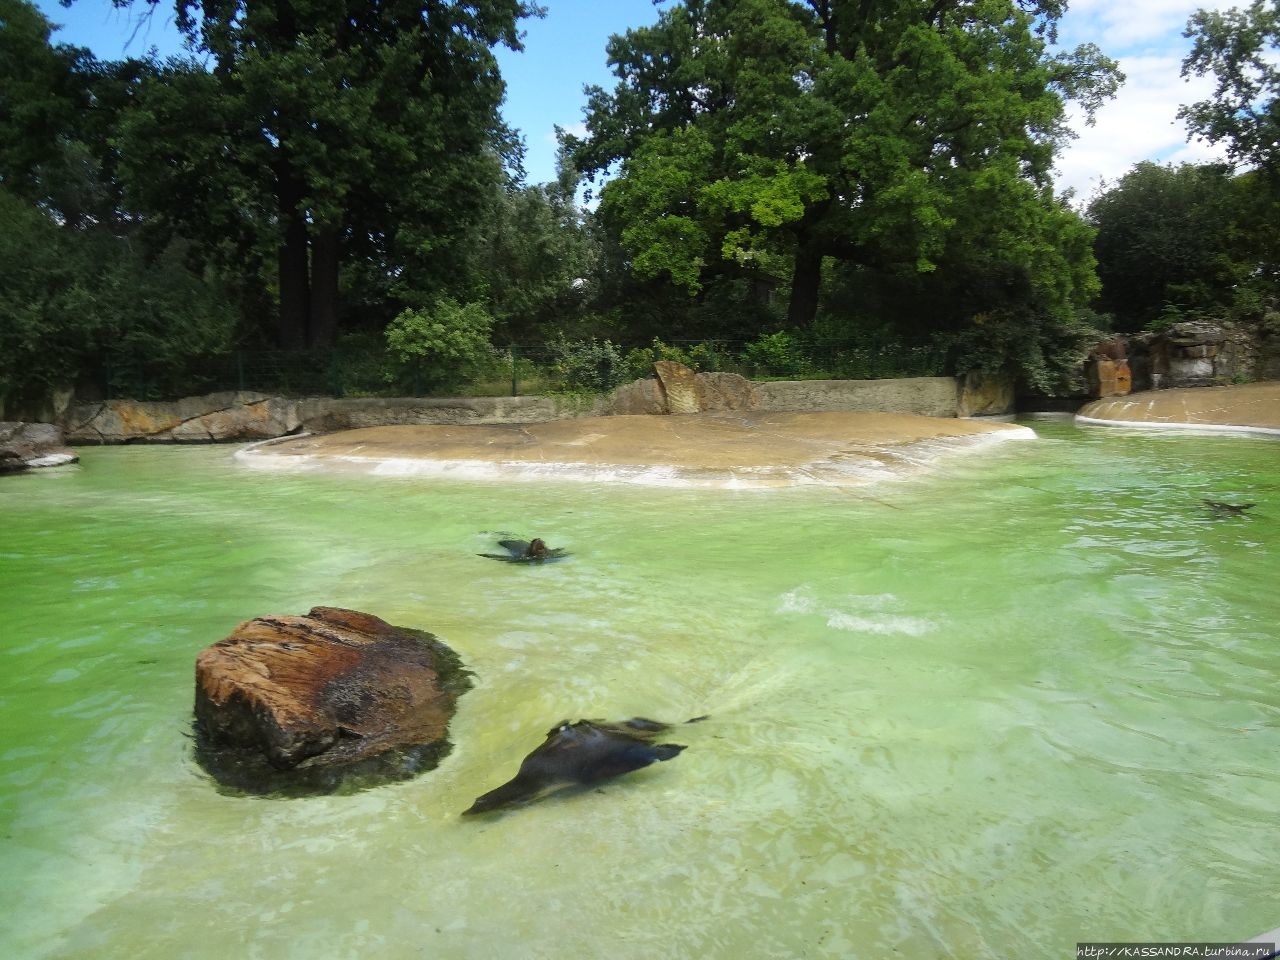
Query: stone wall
[927,396]
[227,417]
[1201,353]
[327,414]
[214,417]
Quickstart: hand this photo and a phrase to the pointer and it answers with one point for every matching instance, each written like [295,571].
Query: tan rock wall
[926,396]
[248,416]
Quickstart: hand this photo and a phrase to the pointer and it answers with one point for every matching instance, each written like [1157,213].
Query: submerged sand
[740,450]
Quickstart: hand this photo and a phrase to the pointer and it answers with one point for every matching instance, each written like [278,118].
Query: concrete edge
[1157,425]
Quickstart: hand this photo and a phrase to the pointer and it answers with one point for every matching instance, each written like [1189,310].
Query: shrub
[777,355]
[442,346]
[594,365]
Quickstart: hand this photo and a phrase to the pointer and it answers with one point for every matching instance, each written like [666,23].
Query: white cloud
[1141,123]
[1122,24]
[578,129]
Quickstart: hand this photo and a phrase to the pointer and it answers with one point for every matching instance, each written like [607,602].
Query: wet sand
[1245,408]
[742,450]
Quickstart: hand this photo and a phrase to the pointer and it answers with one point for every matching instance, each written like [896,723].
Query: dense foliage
[1200,241]
[1164,243]
[892,141]
[322,195]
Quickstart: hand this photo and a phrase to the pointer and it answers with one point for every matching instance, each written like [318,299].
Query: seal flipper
[646,725]
[516,790]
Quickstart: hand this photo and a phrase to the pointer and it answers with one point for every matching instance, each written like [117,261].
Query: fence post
[334,371]
[515,386]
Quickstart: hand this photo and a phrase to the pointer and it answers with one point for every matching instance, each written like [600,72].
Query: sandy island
[1239,408]
[740,450]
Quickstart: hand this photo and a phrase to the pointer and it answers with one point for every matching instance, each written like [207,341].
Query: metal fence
[511,370]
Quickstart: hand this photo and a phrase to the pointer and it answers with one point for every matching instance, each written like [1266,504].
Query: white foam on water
[910,626]
[1156,426]
[856,613]
[859,467]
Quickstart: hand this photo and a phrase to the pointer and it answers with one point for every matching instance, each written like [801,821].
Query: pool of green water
[1025,701]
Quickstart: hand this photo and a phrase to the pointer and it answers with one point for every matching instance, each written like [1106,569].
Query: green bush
[700,358]
[442,346]
[592,365]
[776,355]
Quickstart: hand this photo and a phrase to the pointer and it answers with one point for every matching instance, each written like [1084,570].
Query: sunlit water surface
[1023,702]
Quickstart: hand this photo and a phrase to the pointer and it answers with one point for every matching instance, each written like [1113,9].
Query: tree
[1165,239]
[78,280]
[539,257]
[325,129]
[776,135]
[1238,47]
[57,108]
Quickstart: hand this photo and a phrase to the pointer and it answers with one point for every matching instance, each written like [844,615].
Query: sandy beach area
[738,450]
[741,450]
[1241,408]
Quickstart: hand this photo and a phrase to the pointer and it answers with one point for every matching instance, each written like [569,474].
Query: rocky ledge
[26,445]
[337,699]
[212,418]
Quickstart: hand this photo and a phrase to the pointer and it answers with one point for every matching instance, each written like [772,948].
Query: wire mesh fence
[366,369]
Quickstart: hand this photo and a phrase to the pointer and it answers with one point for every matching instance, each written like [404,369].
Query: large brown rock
[680,386]
[722,392]
[24,445]
[298,705]
[212,418]
[637,398]
[984,395]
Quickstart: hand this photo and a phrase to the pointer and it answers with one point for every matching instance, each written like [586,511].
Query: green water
[985,713]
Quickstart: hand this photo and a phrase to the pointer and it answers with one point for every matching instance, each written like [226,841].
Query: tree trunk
[805,284]
[295,300]
[324,286]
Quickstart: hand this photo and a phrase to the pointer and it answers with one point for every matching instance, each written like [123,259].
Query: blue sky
[566,50]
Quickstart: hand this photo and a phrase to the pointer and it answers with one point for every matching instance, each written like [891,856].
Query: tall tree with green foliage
[1238,47]
[325,129]
[78,279]
[1168,242]
[58,106]
[540,257]
[885,134]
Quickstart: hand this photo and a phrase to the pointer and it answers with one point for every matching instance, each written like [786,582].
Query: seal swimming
[1229,509]
[581,752]
[527,551]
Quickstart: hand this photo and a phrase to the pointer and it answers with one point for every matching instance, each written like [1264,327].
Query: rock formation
[298,705]
[985,395]
[677,389]
[211,418]
[24,445]
[681,387]
[1199,353]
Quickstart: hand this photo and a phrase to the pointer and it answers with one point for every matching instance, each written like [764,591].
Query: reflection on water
[986,714]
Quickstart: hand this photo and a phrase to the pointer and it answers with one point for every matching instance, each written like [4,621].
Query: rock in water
[305,705]
[24,445]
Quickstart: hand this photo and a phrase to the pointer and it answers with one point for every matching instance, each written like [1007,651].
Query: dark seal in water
[527,551]
[584,752]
